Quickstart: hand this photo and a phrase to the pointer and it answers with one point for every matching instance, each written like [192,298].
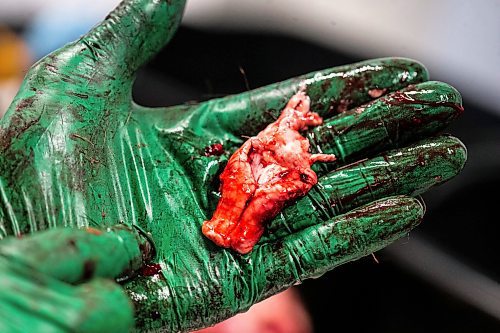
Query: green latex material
[76,151]
[53,281]
[74,256]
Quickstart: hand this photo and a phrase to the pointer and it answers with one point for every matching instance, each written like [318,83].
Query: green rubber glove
[54,281]
[76,151]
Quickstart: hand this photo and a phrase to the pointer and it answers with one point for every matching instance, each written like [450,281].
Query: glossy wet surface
[461,217]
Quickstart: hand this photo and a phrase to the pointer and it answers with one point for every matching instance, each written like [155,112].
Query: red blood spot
[214,150]
[93,231]
[376,93]
[150,269]
[402,98]
[89,267]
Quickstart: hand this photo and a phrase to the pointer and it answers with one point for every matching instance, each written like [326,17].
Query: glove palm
[77,151]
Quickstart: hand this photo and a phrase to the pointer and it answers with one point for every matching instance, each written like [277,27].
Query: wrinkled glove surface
[59,280]
[75,151]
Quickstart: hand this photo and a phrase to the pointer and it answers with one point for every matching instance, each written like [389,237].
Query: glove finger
[97,71]
[105,308]
[75,255]
[89,81]
[232,283]
[313,251]
[407,171]
[132,34]
[332,91]
[34,302]
[387,123]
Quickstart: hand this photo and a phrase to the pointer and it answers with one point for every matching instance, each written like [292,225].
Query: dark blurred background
[445,275]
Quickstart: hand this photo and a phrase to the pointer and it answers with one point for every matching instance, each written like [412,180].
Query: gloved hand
[76,151]
[54,281]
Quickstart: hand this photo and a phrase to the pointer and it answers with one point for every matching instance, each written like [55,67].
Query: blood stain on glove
[150,269]
[267,172]
[214,150]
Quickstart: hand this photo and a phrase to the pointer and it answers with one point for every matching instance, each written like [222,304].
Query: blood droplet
[93,231]
[376,93]
[150,269]
[214,150]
